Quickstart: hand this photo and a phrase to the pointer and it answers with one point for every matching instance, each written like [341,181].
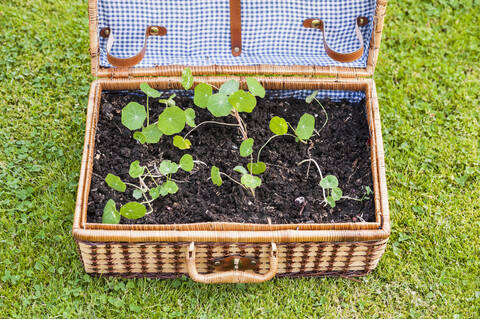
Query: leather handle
[236,27]
[133,60]
[337,56]
[232,276]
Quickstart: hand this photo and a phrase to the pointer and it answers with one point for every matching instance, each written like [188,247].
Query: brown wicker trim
[175,70]
[230,231]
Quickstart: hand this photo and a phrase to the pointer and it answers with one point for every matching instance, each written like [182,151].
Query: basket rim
[225,231]
[265,69]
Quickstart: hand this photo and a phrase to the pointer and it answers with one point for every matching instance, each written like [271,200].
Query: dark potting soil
[287,194]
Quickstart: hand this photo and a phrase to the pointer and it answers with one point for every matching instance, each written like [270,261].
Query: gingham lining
[334,95]
[198,31]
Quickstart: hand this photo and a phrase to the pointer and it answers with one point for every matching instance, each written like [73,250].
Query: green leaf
[154,192]
[278,125]
[215,175]
[329,181]
[187,78]
[256,168]
[218,105]
[240,169]
[171,101]
[250,181]
[152,134]
[133,210]
[137,194]
[115,182]
[168,167]
[190,117]
[331,201]
[172,120]
[229,87]
[310,98]
[186,162]
[149,91]
[255,87]
[201,94]
[133,116]
[305,126]
[243,101]
[336,193]
[246,148]
[110,213]
[368,190]
[136,170]
[170,187]
[181,143]
[140,137]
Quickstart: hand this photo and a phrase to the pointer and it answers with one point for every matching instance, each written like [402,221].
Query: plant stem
[129,184]
[326,116]
[261,148]
[206,122]
[151,176]
[319,171]
[241,124]
[356,199]
[232,179]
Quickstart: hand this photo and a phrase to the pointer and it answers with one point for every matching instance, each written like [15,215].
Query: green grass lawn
[428,80]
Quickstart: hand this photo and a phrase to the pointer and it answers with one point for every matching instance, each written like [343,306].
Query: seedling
[163,185]
[247,181]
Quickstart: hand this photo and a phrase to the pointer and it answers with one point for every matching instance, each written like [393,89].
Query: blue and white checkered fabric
[198,31]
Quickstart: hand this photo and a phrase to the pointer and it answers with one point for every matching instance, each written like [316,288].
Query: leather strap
[236,27]
[337,56]
[133,60]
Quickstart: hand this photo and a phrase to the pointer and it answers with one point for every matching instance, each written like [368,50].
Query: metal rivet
[217,263]
[106,32]
[154,30]
[236,49]
[254,262]
[316,23]
[362,21]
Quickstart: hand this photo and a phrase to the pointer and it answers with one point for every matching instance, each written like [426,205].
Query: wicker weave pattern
[166,259]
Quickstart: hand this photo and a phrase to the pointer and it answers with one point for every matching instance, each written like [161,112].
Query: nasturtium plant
[168,167]
[330,183]
[133,210]
[257,168]
[110,213]
[255,87]
[137,193]
[229,87]
[202,93]
[305,127]
[219,105]
[181,143]
[151,133]
[278,125]
[133,116]
[115,182]
[240,169]
[136,170]
[250,181]
[149,91]
[246,148]
[172,120]
[190,117]
[187,78]
[215,176]
[243,101]
[186,163]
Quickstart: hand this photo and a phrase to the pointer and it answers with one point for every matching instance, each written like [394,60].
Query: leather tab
[337,56]
[133,60]
[236,27]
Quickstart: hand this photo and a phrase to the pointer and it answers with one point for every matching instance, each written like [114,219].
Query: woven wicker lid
[339,38]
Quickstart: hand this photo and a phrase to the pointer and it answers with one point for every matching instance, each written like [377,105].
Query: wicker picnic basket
[221,252]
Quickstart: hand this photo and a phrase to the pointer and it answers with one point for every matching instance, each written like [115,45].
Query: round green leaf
[201,94]
[246,148]
[256,168]
[133,210]
[336,193]
[168,167]
[186,162]
[331,201]
[240,169]
[187,78]
[170,187]
[250,181]
[190,117]
[305,126]
[133,116]
[136,170]
[255,87]
[137,194]
[149,91]
[181,143]
[278,125]
[172,120]
[110,213]
[310,98]
[152,134]
[329,181]
[229,87]
[243,101]
[154,192]
[115,182]
[218,105]
[140,137]
[215,175]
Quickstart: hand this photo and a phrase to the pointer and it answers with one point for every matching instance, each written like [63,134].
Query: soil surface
[287,194]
